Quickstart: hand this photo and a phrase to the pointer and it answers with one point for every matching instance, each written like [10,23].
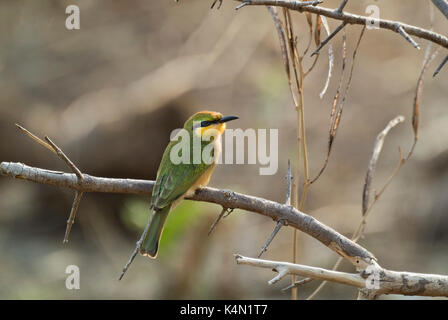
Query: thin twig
[36,138]
[335,117]
[323,283]
[71,218]
[309,20]
[301,137]
[334,120]
[288,184]
[323,43]
[64,158]
[350,76]
[294,61]
[374,159]
[282,38]
[360,231]
[78,195]
[316,57]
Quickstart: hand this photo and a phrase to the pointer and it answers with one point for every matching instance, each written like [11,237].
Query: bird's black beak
[228,118]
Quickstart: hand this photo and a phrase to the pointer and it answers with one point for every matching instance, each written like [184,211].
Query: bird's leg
[137,247]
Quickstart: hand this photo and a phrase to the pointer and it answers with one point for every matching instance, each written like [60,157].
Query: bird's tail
[150,244]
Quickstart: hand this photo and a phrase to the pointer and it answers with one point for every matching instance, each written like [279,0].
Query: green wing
[173,180]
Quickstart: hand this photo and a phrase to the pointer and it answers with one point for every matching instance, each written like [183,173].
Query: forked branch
[374,281]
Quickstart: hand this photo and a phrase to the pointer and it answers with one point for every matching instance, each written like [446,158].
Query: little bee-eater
[177,180]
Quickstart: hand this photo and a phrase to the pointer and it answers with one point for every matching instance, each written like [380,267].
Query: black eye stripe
[206,123]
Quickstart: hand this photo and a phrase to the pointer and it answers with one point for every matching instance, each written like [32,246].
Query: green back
[173,180]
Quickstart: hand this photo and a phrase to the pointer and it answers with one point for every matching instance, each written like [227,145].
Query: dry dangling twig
[50,145]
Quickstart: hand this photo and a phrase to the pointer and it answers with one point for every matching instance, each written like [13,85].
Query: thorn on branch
[277,228]
[323,43]
[298,284]
[64,158]
[71,219]
[440,66]
[401,31]
[341,6]
[224,213]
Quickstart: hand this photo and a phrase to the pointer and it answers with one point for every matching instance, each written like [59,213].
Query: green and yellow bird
[176,181]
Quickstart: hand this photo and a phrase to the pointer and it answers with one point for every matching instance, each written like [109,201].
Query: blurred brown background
[110,93]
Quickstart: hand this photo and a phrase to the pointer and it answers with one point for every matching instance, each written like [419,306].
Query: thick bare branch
[68,180]
[357,255]
[304,271]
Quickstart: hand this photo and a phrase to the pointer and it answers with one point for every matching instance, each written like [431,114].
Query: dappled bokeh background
[110,94]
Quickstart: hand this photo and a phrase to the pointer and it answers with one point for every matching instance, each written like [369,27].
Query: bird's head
[200,122]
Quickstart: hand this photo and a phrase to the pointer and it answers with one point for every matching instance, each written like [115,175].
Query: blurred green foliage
[135,215]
